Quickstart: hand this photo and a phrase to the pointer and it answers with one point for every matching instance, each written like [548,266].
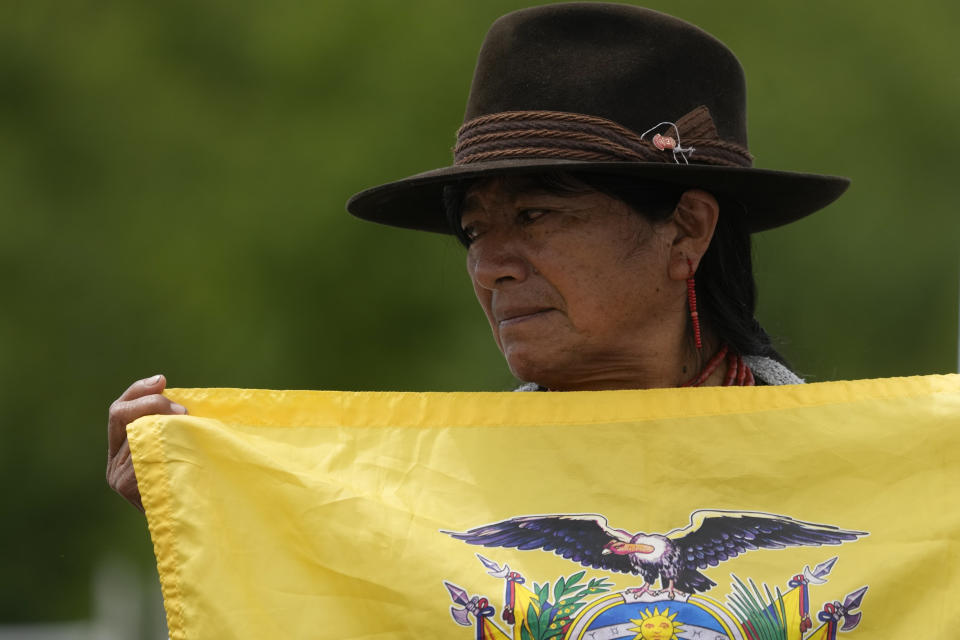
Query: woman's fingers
[116,425]
[142,398]
[121,477]
[153,384]
[123,413]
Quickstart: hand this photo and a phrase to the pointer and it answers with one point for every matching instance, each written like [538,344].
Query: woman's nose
[493,263]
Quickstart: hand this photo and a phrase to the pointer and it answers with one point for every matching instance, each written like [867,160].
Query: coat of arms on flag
[595,608]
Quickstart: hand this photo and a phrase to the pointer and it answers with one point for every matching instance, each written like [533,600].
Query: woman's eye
[470,233]
[529,215]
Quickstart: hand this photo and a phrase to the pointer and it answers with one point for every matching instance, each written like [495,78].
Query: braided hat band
[576,136]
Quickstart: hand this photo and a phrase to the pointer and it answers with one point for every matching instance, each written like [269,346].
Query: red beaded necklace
[738,373]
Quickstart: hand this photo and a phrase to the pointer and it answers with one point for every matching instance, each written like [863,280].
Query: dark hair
[726,290]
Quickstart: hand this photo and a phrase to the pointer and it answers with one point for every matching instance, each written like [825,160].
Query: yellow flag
[822,633]
[525,601]
[629,514]
[490,631]
[793,613]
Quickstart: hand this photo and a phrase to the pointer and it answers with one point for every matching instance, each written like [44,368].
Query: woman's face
[575,286]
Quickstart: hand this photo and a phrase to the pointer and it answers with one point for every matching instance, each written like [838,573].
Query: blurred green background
[172,180]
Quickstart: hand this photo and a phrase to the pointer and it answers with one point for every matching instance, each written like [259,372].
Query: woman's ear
[695,220]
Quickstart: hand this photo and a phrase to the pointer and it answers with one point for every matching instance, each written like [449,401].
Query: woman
[604,189]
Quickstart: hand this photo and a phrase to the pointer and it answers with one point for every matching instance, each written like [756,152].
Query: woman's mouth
[520,316]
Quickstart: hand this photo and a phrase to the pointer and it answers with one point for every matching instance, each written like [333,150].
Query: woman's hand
[142,398]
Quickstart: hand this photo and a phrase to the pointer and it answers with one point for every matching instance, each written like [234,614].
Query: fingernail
[177,408]
[152,381]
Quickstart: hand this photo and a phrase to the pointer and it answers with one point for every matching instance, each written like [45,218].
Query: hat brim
[769,198]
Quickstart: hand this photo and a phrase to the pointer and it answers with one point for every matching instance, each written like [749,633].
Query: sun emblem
[656,625]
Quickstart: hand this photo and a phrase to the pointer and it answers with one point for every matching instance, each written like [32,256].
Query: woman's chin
[530,365]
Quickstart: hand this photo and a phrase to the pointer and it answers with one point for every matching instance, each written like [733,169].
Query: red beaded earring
[692,302]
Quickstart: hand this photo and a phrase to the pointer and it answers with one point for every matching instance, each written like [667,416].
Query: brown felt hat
[605,88]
